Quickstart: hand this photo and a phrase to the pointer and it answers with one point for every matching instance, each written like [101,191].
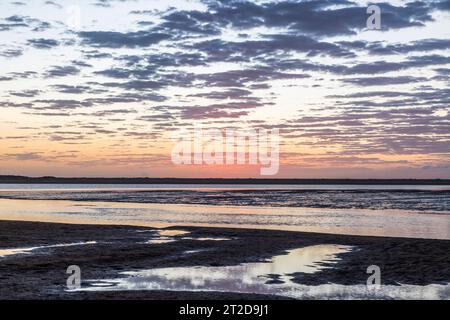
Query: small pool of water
[172,233]
[365,222]
[167,236]
[208,239]
[18,251]
[161,240]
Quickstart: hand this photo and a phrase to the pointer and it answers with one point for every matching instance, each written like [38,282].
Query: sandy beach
[103,252]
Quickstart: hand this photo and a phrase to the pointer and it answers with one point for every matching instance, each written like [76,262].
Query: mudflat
[34,257]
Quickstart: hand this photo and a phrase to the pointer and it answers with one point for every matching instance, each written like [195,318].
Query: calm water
[19,187]
[400,211]
[377,197]
[388,222]
[243,278]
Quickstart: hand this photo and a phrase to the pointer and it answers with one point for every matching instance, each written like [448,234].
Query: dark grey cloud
[25,93]
[25,156]
[318,18]
[383,66]
[43,43]
[23,75]
[164,116]
[60,104]
[105,113]
[106,3]
[383,81]
[191,23]
[355,68]
[147,66]
[233,93]
[58,137]
[54,4]
[146,78]
[443,71]
[80,63]
[17,21]
[62,88]
[219,50]
[128,97]
[137,85]
[218,110]
[295,36]
[95,54]
[383,48]
[239,78]
[9,104]
[11,53]
[412,122]
[62,71]
[12,22]
[442,5]
[305,22]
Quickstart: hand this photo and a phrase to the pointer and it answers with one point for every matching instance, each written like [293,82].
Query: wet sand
[41,273]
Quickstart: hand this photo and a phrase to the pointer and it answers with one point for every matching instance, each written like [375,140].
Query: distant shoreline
[10,179]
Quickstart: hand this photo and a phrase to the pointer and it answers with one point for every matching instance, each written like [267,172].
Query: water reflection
[248,277]
[208,239]
[172,233]
[161,240]
[167,236]
[391,223]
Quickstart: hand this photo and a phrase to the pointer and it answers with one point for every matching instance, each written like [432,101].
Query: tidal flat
[313,265]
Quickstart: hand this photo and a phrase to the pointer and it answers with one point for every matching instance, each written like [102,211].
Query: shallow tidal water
[425,198]
[244,278]
[366,222]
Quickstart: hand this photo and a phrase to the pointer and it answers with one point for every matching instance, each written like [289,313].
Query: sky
[97,88]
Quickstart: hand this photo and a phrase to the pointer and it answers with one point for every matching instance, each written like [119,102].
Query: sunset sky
[97,87]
